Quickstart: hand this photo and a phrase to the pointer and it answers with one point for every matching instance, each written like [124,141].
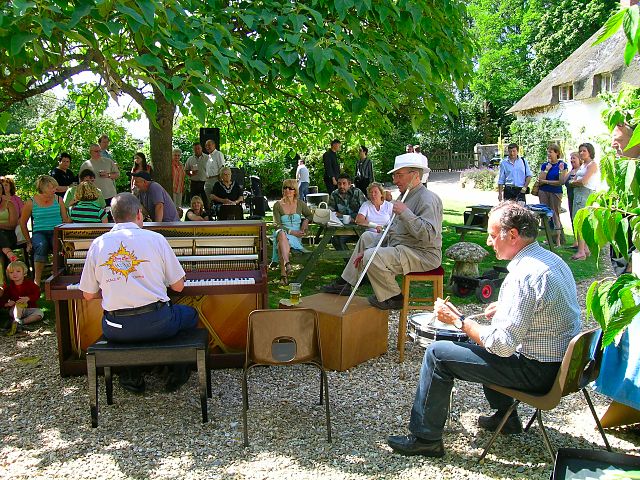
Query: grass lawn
[327,270]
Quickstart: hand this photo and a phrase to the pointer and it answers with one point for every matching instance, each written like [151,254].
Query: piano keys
[225,265]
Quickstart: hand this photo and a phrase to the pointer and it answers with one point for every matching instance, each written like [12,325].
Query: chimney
[628,3]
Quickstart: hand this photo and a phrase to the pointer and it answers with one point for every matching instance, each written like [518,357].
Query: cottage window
[565,92]
[606,83]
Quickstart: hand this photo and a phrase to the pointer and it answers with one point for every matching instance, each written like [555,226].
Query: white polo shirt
[132,266]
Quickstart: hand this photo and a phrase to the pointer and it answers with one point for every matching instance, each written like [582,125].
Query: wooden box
[349,339]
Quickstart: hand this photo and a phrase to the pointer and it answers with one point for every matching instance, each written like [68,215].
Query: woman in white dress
[376,212]
[586,182]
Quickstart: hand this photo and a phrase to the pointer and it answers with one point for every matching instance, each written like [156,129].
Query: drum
[424,328]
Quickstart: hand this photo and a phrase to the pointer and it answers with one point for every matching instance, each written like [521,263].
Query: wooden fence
[447,160]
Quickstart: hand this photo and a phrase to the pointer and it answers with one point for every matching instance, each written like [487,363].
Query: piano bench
[187,347]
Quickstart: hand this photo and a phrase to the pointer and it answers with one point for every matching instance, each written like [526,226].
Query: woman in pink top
[9,191]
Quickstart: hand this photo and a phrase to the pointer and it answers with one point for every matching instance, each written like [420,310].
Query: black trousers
[514,193]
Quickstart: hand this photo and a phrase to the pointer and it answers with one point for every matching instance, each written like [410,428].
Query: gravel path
[45,427]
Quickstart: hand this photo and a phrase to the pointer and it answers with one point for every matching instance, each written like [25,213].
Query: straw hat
[408,160]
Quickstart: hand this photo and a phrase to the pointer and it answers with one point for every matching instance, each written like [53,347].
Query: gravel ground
[45,427]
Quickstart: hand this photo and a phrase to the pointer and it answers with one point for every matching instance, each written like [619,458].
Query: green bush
[480,178]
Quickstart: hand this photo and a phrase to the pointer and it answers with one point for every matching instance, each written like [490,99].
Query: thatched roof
[580,68]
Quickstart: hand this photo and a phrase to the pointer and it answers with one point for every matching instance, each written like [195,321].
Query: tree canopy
[519,43]
[272,64]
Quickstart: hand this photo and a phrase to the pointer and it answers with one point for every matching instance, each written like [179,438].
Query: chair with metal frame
[580,366]
[284,337]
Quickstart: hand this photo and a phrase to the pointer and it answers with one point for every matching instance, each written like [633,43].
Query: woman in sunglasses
[291,217]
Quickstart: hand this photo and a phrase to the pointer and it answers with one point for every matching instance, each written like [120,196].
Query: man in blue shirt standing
[514,176]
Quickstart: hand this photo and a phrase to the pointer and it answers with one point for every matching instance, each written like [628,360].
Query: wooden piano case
[231,255]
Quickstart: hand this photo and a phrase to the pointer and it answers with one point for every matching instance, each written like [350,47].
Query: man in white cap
[413,243]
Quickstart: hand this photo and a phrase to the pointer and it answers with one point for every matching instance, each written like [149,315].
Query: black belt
[128,312]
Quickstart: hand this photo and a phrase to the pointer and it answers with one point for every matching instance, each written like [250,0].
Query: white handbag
[321,215]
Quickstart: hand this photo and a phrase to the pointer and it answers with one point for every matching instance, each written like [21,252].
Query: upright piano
[226,278]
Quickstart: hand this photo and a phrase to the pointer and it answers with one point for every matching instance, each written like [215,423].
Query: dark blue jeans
[445,361]
[163,323]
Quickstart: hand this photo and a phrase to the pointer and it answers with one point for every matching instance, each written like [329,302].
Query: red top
[28,288]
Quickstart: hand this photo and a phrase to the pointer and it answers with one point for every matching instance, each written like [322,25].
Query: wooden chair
[436,278]
[580,366]
[284,337]
[188,346]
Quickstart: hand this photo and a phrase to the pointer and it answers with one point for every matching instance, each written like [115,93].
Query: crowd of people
[580,177]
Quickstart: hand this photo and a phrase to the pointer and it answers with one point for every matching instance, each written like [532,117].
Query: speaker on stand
[209,134]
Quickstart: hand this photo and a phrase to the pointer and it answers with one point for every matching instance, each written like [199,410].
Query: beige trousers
[383,270]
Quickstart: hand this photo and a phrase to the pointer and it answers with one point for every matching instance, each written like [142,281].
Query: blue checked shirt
[538,312]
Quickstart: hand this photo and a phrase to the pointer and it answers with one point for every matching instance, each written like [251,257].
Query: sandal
[288,268]
[284,281]
[578,257]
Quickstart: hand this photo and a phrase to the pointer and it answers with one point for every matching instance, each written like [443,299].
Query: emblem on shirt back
[123,262]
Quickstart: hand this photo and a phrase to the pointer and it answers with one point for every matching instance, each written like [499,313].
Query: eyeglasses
[400,174]
[289,188]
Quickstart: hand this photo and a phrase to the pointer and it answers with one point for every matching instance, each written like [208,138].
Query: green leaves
[18,41]
[613,304]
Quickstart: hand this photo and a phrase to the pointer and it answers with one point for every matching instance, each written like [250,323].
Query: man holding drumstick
[532,323]
[413,243]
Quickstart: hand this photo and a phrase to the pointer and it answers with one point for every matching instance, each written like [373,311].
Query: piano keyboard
[204,282]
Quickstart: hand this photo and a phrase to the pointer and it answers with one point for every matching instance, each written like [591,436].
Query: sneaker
[393,303]
[132,380]
[490,422]
[178,376]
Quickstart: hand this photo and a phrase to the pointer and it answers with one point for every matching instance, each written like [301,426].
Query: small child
[20,297]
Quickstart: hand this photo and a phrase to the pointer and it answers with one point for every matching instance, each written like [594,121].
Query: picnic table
[478,218]
[323,238]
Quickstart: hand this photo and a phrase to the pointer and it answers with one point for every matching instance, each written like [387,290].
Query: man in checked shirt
[532,323]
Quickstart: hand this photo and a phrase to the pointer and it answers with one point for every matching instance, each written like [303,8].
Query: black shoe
[393,303]
[132,381]
[337,289]
[491,422]
[178,376]
[412,445]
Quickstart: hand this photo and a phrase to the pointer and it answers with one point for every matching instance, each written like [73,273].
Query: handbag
[535,188]
[321,215]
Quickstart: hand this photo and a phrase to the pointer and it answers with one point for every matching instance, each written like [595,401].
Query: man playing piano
[131,267]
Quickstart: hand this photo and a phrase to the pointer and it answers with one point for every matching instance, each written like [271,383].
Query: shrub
[480,178]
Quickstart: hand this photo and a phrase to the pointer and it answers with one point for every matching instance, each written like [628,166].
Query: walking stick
[364,271]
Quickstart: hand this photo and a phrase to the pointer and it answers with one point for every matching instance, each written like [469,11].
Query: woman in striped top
[47,210]
[87,209]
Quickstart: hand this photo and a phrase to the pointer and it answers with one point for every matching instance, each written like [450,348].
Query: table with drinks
[323,238]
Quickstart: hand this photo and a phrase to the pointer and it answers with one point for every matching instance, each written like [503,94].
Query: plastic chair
[436,277]
[580,366]
[283,337]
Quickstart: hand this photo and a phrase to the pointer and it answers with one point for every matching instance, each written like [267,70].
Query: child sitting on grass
[20,297]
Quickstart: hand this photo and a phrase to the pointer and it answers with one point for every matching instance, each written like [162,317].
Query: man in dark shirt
[364,170]
[63,174]
[331,167]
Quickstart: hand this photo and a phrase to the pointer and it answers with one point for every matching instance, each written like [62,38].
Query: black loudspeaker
[209,134]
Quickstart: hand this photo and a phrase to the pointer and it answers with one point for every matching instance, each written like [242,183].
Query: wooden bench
[462,229]
[187,347]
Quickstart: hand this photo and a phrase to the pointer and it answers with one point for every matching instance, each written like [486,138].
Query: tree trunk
[161,142]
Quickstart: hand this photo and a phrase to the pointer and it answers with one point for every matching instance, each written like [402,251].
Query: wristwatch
[459,322]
